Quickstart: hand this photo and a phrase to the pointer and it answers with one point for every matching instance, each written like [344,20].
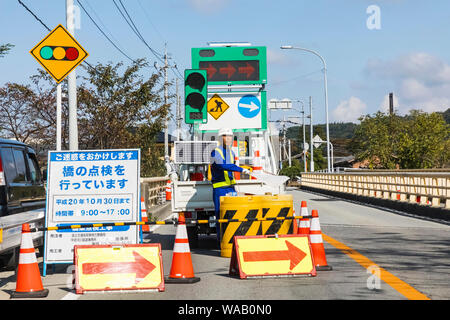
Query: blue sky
[409,55]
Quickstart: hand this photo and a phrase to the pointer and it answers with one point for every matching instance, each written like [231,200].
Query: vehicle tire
[193,236]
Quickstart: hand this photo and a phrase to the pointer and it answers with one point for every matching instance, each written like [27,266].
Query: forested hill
[341,134]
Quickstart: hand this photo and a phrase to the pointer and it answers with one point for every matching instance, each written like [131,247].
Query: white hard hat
[225,132]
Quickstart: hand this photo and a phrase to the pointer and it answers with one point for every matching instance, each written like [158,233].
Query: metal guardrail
[425,188]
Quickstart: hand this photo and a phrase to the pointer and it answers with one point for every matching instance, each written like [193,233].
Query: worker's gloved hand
[246,171]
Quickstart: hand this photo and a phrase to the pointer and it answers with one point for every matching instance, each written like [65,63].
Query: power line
[102,23]
[93,21]
[48,29]
[133,27]
[175,70]
[149,20]
[36,17]
[135,30]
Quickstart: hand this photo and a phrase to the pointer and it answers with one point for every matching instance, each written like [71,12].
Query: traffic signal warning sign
[59,53]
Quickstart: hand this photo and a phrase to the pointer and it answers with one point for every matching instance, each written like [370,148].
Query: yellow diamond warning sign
[121,267]
[216,106]
[59,53]
[271,256]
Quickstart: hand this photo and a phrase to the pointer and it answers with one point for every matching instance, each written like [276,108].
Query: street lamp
[326,95]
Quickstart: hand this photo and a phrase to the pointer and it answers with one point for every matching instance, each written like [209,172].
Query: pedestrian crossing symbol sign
[216,106]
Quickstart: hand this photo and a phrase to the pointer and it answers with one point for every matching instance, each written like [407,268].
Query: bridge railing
[151,189]
[426,188]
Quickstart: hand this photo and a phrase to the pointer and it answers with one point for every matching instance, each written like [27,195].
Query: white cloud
[349,110]
[421,81]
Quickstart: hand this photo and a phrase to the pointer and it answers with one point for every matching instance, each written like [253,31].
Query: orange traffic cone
[168,191]
[182,270]
[29,282]
[300,225]
[304,226]
[144,217]
[304,209]
[235,149]
[318,250]
[257,167]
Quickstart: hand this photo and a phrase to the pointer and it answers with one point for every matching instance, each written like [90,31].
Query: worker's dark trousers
[217,193]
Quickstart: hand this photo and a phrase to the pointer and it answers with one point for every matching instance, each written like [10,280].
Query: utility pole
[311,135]
[166,99]
[72,84]
[58,116]
[304,137]
[178,112]
[289,148]
[284,137]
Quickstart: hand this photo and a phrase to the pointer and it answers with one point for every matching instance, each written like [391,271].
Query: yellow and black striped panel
[278,224]
[254,208]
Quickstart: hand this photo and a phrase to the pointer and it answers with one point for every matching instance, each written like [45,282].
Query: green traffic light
[46,53]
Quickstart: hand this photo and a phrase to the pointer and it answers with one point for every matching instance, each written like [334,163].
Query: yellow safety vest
[227,181]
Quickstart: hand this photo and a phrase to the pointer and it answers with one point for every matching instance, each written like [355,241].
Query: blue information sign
[249,106]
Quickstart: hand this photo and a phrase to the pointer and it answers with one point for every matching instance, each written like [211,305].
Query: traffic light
[195,96]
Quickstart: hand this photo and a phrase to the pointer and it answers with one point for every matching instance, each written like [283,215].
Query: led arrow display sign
[231,70]
[228,65]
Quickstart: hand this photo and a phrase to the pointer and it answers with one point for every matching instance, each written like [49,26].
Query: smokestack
[391,103]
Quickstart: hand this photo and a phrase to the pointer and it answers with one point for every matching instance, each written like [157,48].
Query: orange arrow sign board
[110,267]
[270,256]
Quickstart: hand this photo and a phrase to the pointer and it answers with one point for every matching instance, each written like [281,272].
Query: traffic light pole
[72,84]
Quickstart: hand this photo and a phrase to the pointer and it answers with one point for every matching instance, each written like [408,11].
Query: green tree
[16,117]
[117,108]
[28,113]
[122,109]
[291,171]
[424,141]
[418,140]
[375,138]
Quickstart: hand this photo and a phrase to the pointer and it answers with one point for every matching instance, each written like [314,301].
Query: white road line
[71,296]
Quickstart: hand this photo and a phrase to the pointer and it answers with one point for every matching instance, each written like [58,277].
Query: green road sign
[232,65]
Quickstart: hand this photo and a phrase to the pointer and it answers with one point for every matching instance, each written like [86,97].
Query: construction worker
[222,165]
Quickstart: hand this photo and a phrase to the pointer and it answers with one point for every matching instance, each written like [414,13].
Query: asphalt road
[411,256]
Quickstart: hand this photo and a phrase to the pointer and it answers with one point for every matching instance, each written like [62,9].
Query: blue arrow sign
[249,106]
